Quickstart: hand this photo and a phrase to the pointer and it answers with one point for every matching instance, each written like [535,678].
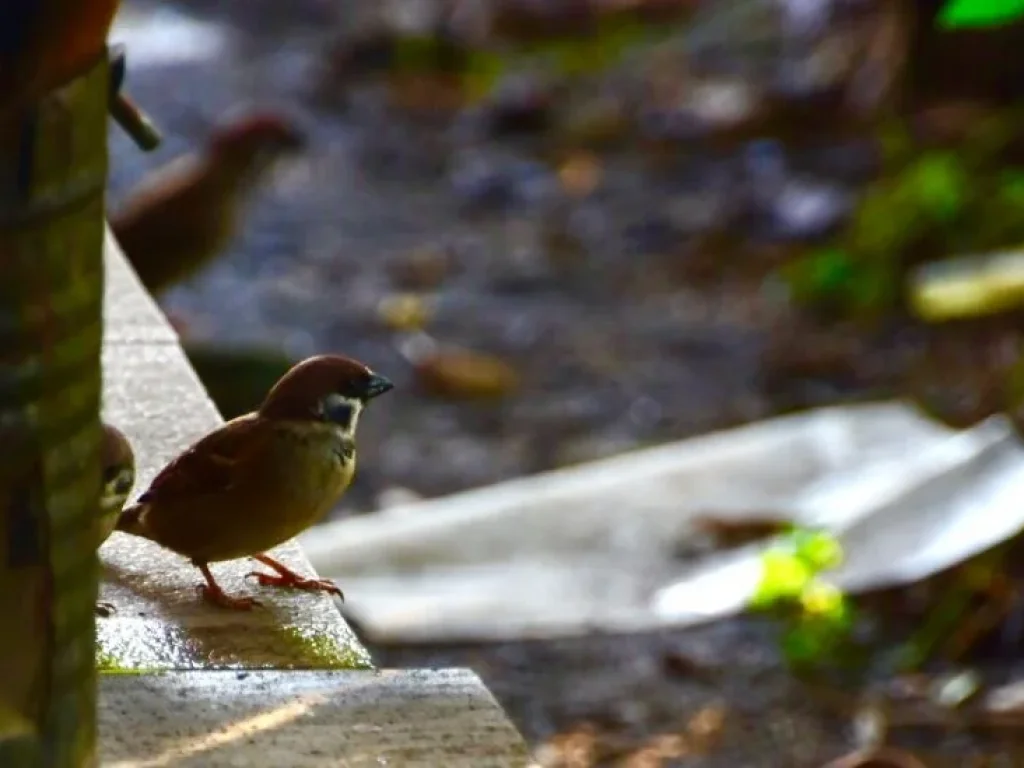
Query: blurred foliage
[962,610]
[236,379]
[817,616]
[979,13]
[597,48]
[603,46]
[931,203]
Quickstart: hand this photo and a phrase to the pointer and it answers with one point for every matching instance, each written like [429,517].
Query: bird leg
[290,579]
[212,592]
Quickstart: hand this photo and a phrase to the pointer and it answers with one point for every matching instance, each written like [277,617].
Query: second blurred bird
[184,214]
[118,479]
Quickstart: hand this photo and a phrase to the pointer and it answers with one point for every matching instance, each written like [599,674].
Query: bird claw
[223,600]
[104,609]
[296,582]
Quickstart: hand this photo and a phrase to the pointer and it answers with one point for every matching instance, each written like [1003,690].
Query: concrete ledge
[131,314]
[304,719]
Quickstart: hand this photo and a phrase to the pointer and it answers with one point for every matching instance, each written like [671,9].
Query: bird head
[251,144]
[330,389]
[118,470]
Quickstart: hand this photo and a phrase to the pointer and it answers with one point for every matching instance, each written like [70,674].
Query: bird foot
[294,581]
[104,609]
[223,600]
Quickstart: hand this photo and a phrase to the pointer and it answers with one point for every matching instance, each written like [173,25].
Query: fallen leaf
[705,729]
[580,174]
[426,93]
[404,312]
[576,749]
[462,374]
[727,534]
[883,757]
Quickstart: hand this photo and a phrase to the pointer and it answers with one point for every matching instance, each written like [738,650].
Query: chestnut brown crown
[116,450]
[300,394]
[257,134]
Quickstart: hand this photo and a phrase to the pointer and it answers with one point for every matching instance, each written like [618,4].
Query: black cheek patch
[339,413]
[124,485]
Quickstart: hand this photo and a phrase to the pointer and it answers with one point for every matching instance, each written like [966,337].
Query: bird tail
[129,521]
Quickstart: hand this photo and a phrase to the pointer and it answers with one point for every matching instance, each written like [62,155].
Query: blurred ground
[589,276]
[590,298]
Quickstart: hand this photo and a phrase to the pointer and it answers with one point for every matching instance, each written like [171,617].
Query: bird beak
[377,385]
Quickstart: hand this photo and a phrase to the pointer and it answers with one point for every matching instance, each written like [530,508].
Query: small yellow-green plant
[817,616]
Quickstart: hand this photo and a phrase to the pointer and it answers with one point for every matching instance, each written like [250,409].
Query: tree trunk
[53,164]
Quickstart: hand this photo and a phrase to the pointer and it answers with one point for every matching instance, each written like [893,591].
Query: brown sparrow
[118,479]
[185,213]
[261,478]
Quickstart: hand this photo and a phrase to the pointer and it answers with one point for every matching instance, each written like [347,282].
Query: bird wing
[211,466]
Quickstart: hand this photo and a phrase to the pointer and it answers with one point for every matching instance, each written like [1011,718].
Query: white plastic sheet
[612,545]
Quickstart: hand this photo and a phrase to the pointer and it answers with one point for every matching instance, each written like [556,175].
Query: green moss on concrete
[108,664]
[324,650]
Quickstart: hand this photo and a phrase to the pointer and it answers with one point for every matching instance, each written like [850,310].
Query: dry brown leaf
[706,728]
[462,374]
[426,93]
[882,757]
[575,749]
[727,534]
[580,174]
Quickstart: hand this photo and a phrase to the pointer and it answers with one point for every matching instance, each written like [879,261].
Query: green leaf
[783,576]
[802,644]
[483,71]
[415,53]
[979,13]
[823,274]
[937,183]
[883,222]
[1012,186]
[832,270]
[876,289]
[824,601]
[818,549]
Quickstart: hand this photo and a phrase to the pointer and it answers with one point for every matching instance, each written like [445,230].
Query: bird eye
[338,410]
[123,484]
[118,481]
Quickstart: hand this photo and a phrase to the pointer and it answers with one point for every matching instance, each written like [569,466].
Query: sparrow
[261,478]
[184,214]
[118,479]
